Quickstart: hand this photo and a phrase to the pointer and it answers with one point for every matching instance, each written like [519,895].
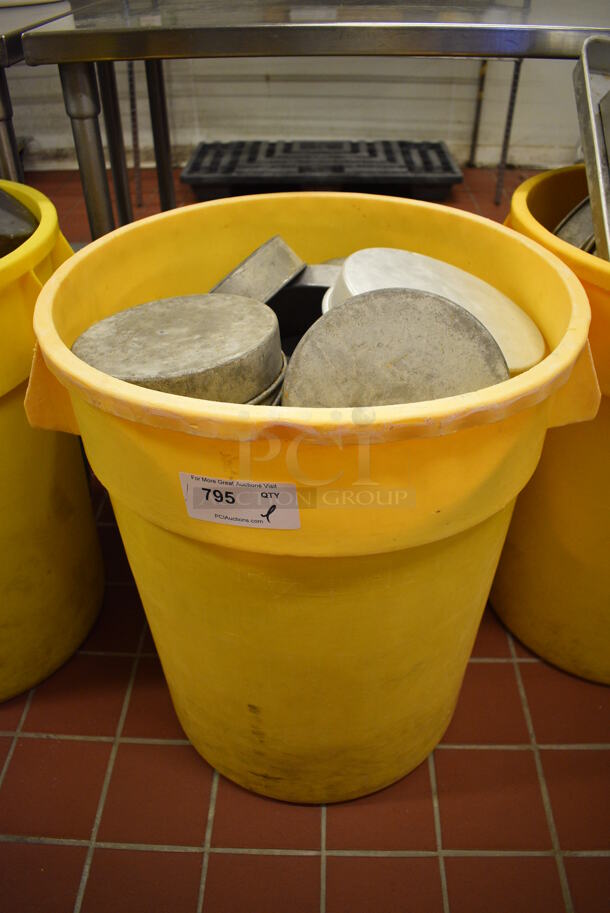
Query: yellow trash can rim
[48,404]
[22,273]
[29,254]
[588,266]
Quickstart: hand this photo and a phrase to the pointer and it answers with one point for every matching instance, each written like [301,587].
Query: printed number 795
[219,496]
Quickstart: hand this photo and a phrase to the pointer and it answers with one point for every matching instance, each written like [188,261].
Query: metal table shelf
[14,21]
[113,30]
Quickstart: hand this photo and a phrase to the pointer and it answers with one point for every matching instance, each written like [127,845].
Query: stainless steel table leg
[135,138]
[10,163]
[83,106]
[471,163]
[512,99]
[114,136]
[160,129]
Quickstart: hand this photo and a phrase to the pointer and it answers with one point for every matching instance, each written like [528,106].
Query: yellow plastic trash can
[313,654]
[552,588]
[50,574]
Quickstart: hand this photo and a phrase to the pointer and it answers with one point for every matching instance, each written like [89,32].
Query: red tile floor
[105,808]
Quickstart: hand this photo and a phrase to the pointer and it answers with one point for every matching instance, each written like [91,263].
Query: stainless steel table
[14,20]
[111,30]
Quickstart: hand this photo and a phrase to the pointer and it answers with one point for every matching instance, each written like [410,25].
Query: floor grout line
[323,814]
[43,841]
[586,854]
[62,737]
[566,746]
[454,746]
[356,854]
[123,740]
[139,740]
[544,792]
[208,841]
[578,746]
[68,737]
[147,847]
[438,832]
[443,746]
[445,854]
[109,770]
[258,851]
[15,736]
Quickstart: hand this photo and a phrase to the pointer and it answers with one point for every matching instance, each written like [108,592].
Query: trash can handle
[47,402]
[577,400]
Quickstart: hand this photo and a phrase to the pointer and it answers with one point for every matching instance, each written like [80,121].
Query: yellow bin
[315,653]
[50,574]
[553,583]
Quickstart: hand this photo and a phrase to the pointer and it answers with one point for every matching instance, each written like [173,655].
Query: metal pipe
[114,135]
[160,129]
[512,100]
[477,115]
[135,138]
[10,163]
[83,107]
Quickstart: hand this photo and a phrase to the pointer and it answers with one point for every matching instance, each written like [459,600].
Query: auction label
[264,505]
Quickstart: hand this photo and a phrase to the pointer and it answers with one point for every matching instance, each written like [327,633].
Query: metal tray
[592,90]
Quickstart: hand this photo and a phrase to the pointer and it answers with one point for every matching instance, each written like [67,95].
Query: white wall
[317,98]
